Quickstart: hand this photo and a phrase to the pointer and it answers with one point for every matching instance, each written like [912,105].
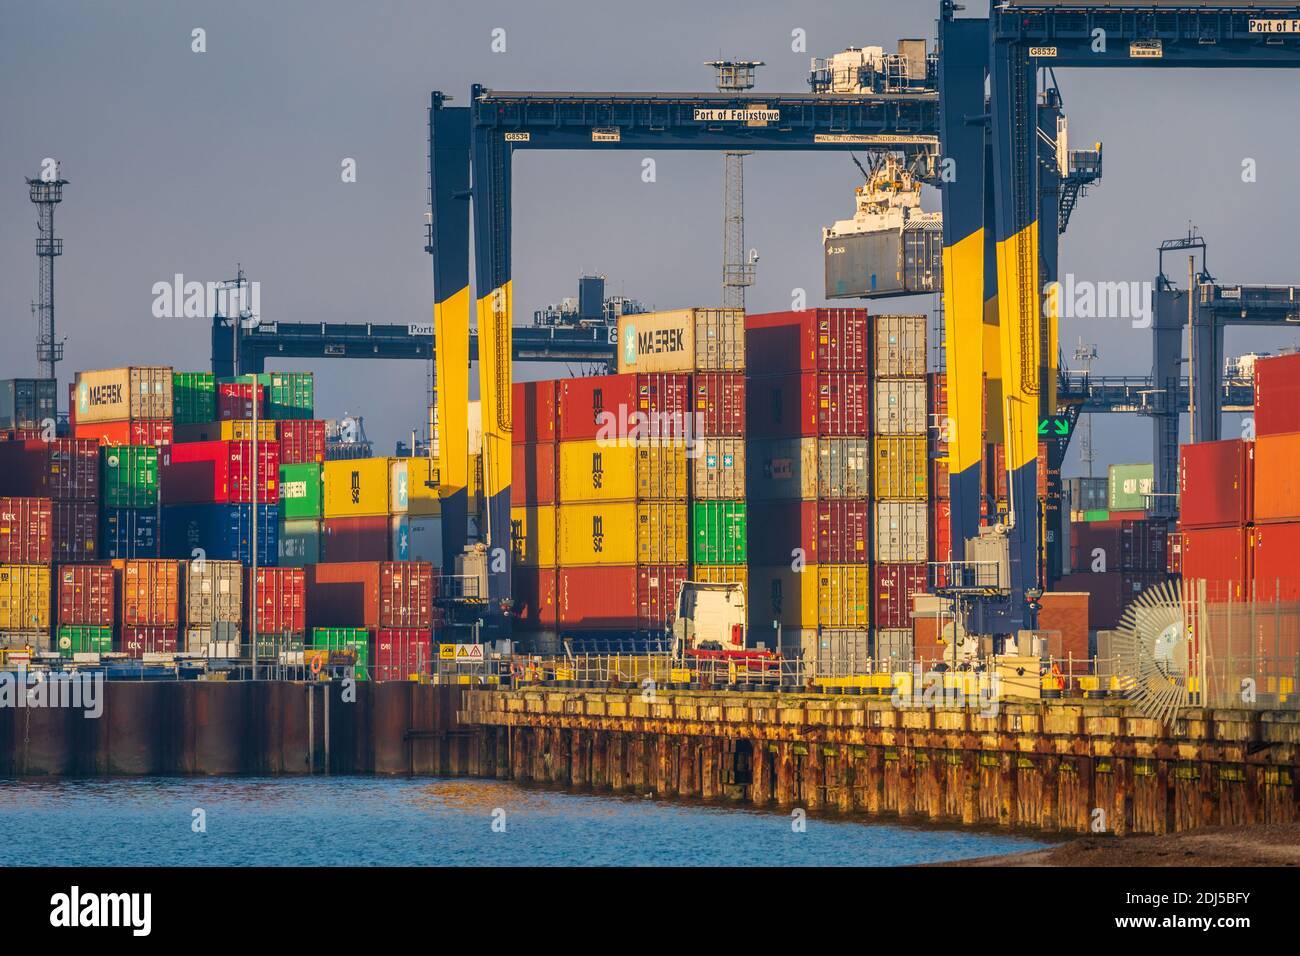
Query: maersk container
[300,542]
[900,407]
[900,346]
[1130,485]
[126,533]
[356,639]
[683,340]
[894,261]
[901,532]
[26,531]
[809,404]
[28,403]
[124,394]
[813,340]
[214,592]
[84,639]
[129,476]
[62,468]
[87,594]
[623,532]
[301,494]
[718,468]
[156,432]
[719,532]
[809,468]
[221,532]
[194,397]
[902,467]
[26,598]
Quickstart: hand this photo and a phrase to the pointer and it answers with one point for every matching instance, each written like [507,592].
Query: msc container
[533,535]
[683,340]
[84,639]
[299,540]
[901,468]
[403,653]
[300,491]
[809,468]
[843,595]
[1088,494]
[901,532]
[62,468]
[832,531]
[302,441]
[194,397]
[1129,486]
[902,260]
[236,429]
[359,538]
[718,468]
[355,639]
[780,594]
[214,593]
[129,476]
[124,394]
[221,533]
[141,639]
[535,598]
[1273,550]
[26,531]
[896,585]
[76,531]
[129,533]
[159,433]
[719,532]
[25,597]
[28,403]
[356,487]
[623,532]
[1276,485]
[809,404]
[220,472]
[1216,483]
[719,404]
[900,346]
[278,595]
[1221,558]
[291,395]
[900,407]
[814,340]
[1277,395]
[608,407]
[533,473]
[647,470]
[235,401]
[87,595]
[413,487]
[636,598]
[151,592]
[533,412]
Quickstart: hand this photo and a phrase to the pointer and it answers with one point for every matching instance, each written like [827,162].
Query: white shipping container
[900,406]
[718,470]
[900,346]
[902,533]
[682,340]
[213,592]
[425,537]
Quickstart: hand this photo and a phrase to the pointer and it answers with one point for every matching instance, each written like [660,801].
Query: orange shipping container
[151,592]
[1277,478]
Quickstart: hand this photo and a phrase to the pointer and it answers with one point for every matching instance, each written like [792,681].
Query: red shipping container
[940,481]
[65,468]
[87,595]
[1144,545]
[533,412]
[235,401]
[302,441]
[371,594]
[618,406]
[532,474]
[1276,495]
[941,530]
[1277,395]
[402,653]
[1220,557]
[1216,484]
[140,431]
[657,587]
[406,593]
[359,538]
[76,531]
[141,639]
[825,531]
[534,593]
[280,597]
[811,404]
[1096,547]
[813,340]
[937,386]
[999,457]
[603,596]
[719,404]
[26,531]
[1274,549]
[895,586]
[151,592]
[1174,562]
[220,472]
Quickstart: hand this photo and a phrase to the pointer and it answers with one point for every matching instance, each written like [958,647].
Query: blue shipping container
[129,533]
[223,532]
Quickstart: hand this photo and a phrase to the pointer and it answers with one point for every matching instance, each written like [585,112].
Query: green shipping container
[1096,516]
[299,542]
[1129,486]
[194,398]
[718,529]
[292,395]
[271,646]
[84,639]
[342,638]
[300,491]
[128,476]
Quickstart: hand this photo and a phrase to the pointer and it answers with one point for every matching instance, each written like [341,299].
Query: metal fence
[1246,653]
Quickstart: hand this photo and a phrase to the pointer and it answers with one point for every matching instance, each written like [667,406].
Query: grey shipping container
[718,468]
[213,593]
[220,639]
[28,402]
[893,645]
[900,346]
[901,531]
[1088,494]
[900,406]
[886,262]
[838,652]
[809,468]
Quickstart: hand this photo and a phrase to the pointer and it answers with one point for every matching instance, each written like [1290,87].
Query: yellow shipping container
[532,535]
[599,471]
[722,574]
[902,464]
[241,430]
[844,595]
[357,486]
[624,532]
[779,593]
[25,597]
[421,499]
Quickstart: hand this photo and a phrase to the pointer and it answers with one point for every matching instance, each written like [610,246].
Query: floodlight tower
[46,192]
[734,76]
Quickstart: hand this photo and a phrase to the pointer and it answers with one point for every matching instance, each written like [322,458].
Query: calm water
[373,821]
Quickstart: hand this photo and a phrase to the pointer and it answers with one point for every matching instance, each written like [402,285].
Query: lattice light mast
[734,76]
[46,193]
